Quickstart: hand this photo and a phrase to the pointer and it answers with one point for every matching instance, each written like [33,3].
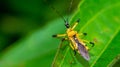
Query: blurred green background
[26,30]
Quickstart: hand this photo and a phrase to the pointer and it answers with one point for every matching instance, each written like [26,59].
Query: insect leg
[73,58]
[83,34]
[61,44]
[92,43]
[74,52]
[72,46]
[76,23]
[59,35]
[64,39]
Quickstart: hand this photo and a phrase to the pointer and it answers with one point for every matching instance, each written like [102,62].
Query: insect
[78,45]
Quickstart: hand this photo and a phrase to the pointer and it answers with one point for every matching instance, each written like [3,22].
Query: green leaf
[111,52]
[102,25]
[101,20]
[115,62]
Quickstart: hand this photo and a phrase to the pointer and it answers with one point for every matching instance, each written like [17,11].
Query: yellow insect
[77,44]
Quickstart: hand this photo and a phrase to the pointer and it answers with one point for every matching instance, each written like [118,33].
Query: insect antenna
[68,12]
[60,15]
[57,12]
[69,8]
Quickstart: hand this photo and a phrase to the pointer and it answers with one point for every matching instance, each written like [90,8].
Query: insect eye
[67,25]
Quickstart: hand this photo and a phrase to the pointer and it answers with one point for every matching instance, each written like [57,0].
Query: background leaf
[34,48]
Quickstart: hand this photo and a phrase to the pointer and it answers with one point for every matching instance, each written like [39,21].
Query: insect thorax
[71,32]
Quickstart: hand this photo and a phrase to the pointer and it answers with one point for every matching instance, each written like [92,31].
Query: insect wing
[81,48]
[83,51]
